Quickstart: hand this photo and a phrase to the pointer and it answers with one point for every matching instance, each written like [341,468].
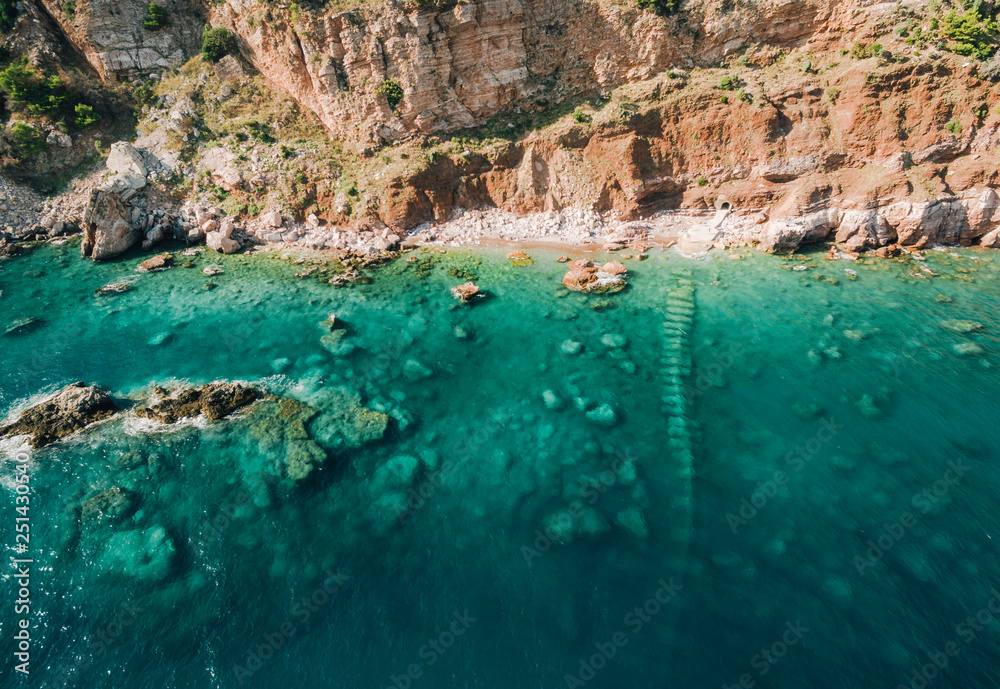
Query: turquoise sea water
[798,489]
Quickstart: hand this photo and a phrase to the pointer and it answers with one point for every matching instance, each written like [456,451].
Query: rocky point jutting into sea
[499,344]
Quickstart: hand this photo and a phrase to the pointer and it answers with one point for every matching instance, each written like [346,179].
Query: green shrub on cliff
[393,92]
[216,44]
[973,32]
[156,17]
[28,140]
[662,8]
[30,89]
[85,117]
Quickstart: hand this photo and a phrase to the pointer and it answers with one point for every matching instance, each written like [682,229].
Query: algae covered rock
[295,438]
[143,554]
[344,422]
[519,259]
[65,413]
[303,456]
[110,506]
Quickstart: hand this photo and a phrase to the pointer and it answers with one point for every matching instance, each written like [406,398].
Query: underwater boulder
[603,415]
[397,473]
[343,422]
[336,343]
[109,506]
[961,327]
[65,413]
[303,456]
[143,554]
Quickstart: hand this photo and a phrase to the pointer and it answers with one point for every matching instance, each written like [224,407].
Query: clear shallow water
[822,411]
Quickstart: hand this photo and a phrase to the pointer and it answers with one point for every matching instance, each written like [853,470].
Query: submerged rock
[398,472]
[414,370]
[336,343]
[19,326]
[215,401]
[603,415]
[570,347]
[119,286]
[110,506]
[303,456]
[344,422]
[968,349]
[962,327]
[69,410]
[551,400]
[146,555]
[631,518]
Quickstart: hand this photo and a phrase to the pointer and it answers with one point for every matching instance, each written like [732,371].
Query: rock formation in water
[69,410]
[214,401]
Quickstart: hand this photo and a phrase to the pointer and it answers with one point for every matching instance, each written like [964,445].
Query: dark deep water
[799,488]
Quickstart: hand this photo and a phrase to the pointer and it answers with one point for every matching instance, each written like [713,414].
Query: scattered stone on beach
[65,413]
[968,349]
[461,332]
[212,270]
[562,259]
[519,258]
[614,340]
[583,276]
[962,327]
[214,400]
[570,347]
[161,262]
[466,293]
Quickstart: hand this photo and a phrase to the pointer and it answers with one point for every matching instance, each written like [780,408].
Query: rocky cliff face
[461,64]
[825,118]
[112,38]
